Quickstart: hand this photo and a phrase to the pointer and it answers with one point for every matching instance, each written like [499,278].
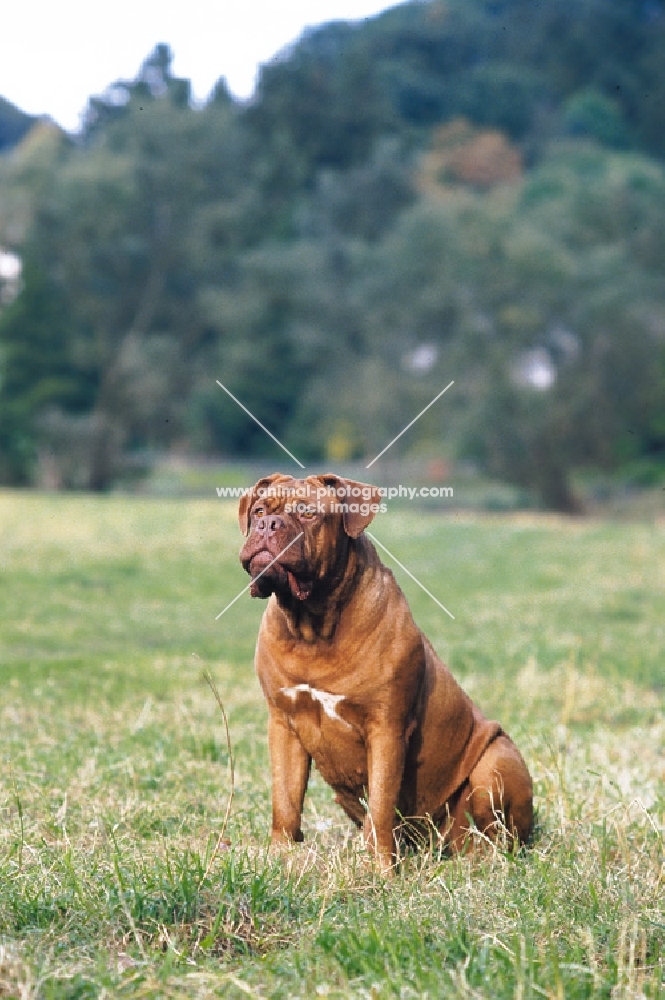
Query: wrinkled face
[298,531]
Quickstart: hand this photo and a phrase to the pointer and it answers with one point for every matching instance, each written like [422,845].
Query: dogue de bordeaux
[353,685]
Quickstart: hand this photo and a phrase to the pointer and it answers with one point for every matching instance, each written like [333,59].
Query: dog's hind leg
[500,795]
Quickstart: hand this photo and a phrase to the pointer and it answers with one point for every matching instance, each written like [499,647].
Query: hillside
[468,190]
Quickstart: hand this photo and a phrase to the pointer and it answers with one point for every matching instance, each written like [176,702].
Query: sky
[54,54]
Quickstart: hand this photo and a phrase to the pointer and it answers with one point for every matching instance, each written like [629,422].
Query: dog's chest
[328,727]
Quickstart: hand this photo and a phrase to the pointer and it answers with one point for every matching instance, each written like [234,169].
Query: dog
[353,684]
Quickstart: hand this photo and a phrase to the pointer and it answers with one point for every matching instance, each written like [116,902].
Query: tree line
[471,190]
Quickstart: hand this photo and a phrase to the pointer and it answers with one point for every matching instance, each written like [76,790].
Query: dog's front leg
[386,751]
[290,764]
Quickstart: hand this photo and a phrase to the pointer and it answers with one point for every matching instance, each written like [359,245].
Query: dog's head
[298,532]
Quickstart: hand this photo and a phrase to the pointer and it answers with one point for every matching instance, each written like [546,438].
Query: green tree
[114,231]
[14,124]
[38,370]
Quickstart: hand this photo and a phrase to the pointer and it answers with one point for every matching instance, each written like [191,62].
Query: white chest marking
[329,702]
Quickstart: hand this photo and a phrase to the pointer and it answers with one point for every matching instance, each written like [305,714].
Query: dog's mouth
[269,575]
[301,589]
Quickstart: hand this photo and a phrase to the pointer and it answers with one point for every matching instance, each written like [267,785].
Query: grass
[114,776]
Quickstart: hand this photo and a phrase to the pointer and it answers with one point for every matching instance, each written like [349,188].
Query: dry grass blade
[220,840]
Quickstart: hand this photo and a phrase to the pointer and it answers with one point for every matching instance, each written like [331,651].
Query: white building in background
[10,276]
[421,359]
[535,370]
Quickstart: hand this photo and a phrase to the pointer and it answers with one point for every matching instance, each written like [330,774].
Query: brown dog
[353,684]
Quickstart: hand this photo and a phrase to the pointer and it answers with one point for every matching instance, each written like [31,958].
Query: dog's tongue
[299,589]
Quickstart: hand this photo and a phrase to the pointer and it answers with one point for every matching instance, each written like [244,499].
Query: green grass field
[114,777]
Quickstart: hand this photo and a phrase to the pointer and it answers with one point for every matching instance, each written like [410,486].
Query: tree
[14,124]
[112,233]
[569,293]
[38,370]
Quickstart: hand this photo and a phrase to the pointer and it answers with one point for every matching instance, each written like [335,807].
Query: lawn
[115,778]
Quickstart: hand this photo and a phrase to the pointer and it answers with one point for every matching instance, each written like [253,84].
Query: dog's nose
[269,524]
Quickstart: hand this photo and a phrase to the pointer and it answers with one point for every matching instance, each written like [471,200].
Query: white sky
[54,54]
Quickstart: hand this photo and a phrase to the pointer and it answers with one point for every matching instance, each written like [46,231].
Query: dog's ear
[360,495]
[247,499]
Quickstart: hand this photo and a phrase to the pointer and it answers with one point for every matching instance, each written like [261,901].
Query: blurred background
[468,190]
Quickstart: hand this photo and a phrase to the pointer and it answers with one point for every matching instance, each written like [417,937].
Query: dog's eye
[307,515]
[258,512]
